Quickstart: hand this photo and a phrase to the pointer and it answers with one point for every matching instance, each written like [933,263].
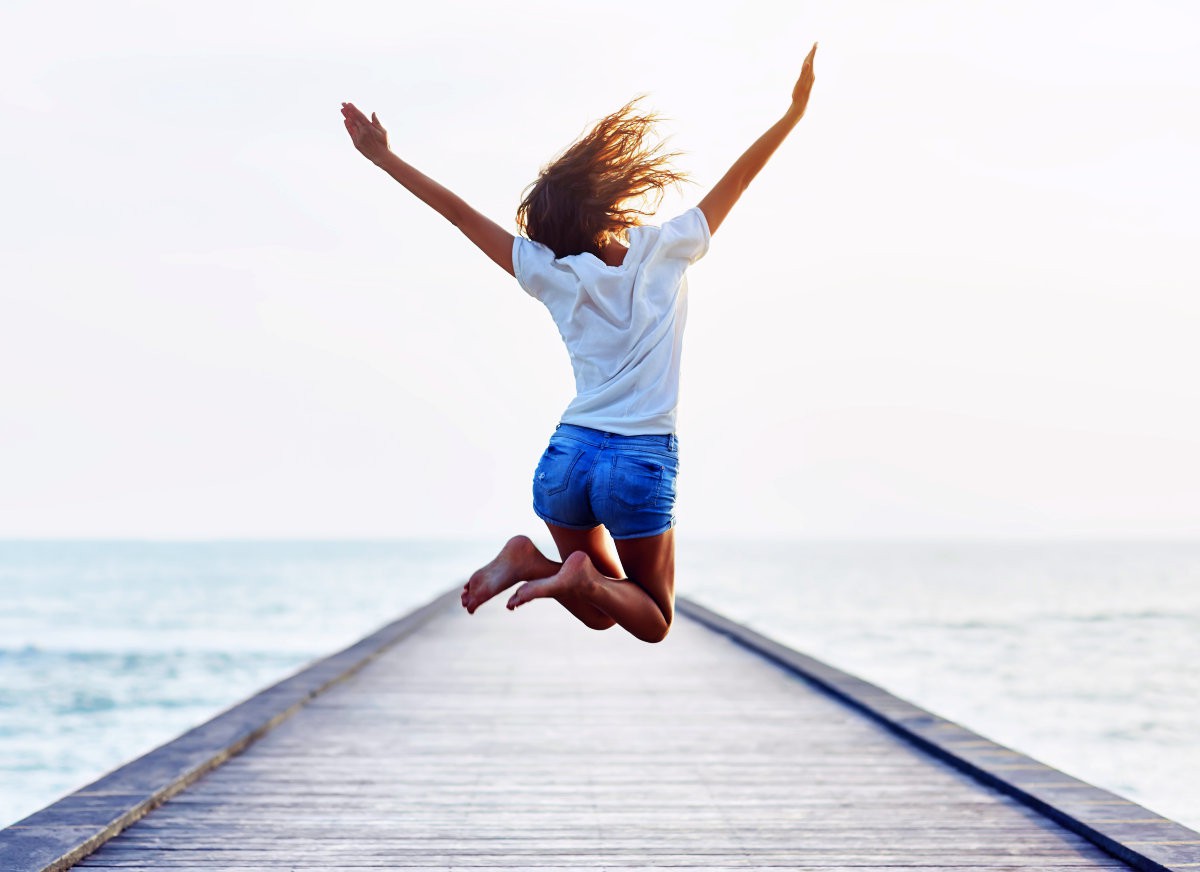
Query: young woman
[605,486]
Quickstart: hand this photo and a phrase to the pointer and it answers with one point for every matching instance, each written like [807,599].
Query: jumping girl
[617,292]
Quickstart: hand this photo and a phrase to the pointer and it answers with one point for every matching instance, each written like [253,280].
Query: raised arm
[717,203]
[371,139]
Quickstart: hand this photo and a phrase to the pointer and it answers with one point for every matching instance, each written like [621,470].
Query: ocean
[1085,655]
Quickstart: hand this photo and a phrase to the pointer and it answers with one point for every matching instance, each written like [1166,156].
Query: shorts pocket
[553,473]
[635,481]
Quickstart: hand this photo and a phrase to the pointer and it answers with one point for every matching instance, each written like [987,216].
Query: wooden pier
[524,741]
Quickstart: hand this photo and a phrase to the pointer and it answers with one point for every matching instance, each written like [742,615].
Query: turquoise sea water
[1085,655]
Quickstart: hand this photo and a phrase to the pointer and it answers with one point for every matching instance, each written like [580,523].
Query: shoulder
[533,266]
[685,236]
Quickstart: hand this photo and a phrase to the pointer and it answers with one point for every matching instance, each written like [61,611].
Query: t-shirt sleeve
[686,236]
[533,265]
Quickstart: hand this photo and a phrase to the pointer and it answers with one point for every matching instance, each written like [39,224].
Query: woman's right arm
[371,140]
[717,203]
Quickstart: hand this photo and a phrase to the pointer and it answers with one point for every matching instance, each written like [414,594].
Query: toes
[523,594]
[516,599]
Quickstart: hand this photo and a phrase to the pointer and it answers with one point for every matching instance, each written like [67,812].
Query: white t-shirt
[622,325]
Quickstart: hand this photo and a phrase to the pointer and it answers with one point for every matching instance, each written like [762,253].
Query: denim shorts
[588,477]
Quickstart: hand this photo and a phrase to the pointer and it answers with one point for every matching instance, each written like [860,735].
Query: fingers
[355,130]
[811,54]
[349,110]
[353,120]
[356,118]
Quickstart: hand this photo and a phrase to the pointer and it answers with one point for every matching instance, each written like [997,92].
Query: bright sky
[961,300]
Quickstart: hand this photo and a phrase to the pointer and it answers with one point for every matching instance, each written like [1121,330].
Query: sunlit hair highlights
[600,186]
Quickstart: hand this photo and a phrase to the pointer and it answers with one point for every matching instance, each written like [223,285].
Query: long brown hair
[598,187]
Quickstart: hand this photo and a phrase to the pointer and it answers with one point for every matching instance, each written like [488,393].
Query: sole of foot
[575,575]
[518,559]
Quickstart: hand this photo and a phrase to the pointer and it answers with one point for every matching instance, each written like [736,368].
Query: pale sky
[960,301]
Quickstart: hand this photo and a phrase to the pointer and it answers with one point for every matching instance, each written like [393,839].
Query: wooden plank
[59,835]
[1121,827]
[524,740]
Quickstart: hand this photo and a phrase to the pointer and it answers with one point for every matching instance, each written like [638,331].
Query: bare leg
[597,544]
[644,607]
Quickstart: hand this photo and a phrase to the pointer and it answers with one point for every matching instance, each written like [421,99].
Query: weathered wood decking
[523,740]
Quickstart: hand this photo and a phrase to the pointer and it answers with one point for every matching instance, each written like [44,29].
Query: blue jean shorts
[589,477]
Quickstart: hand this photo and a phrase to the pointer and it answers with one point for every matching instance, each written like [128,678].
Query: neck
[613,252]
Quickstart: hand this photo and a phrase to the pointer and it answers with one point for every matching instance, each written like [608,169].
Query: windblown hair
[600,186]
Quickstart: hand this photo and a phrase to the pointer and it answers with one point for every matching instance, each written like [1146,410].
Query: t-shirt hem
[517,270]
[707,233]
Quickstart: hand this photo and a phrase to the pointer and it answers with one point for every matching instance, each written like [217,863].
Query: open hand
[367,133]
[804,84]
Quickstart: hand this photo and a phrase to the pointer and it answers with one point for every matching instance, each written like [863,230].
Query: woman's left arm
[725,193]
[371,139]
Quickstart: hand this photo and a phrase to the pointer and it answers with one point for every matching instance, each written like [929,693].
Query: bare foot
[518,559]
[576,576]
